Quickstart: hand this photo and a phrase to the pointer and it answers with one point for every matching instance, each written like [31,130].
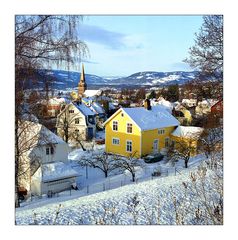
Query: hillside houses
[51,108]
[186,137]
[41,153]
[76,121]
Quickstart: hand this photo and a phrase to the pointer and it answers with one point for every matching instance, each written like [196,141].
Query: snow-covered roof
[97,108]
[84,109]
[187,132]
[185,100]
[29,117]
[111,106]
[56,171]
[164,103]
[53,101]
[145,119]
[208,102]
[91,93]
[35,134]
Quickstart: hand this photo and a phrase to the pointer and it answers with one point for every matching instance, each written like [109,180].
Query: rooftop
[186,131]
[157,117]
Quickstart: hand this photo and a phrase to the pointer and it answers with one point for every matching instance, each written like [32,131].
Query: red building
[217,108]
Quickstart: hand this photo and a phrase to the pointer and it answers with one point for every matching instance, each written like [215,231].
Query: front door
[155,146]
[90,133]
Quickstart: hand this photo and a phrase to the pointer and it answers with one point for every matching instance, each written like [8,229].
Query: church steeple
[82,86]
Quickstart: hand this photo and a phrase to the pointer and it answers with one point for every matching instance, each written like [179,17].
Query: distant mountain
[59,79]
[159,78]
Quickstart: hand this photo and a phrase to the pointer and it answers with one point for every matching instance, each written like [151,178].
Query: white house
[204,106]
[76,119]
[189,102]
[40,148]
[164,103]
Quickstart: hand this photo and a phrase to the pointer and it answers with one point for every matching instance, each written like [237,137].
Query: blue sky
[123,45]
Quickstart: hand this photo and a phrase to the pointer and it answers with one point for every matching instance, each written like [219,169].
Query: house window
[161,131]
[49,150]
[129,128]
[76,130]
[115,126]
[166,142]
[129,146]
[91,119]
[115,141]
[71,111]
[76,121]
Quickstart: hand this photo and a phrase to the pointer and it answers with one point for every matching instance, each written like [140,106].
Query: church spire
[82,83]
[82,77]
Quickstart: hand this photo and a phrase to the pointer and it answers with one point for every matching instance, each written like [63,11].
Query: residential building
[40,148]
[186,137]
[139,131]
[51,108]
[217,108]
[76,121]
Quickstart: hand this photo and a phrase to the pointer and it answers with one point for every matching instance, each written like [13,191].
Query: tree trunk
[17,204]
[80,143]
[106,174]
[186,163]
[133,176]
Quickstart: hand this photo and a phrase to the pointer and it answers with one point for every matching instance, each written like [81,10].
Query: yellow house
[186,138]
[140,131]
[187,116]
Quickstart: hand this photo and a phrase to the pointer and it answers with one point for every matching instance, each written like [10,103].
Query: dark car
[153,158]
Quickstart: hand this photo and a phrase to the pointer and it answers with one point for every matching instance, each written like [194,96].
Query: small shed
[53,178]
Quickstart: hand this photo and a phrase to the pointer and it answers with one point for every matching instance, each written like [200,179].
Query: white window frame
[161,131]
[50,151]
[117,139]
[113,126]
[127,128]
[156,150]
[129,141]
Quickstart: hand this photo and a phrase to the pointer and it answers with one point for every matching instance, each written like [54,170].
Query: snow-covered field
[150,202]
[144,202]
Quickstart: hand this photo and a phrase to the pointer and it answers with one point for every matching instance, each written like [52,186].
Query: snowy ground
[78,208]
[92,180]
[149,202]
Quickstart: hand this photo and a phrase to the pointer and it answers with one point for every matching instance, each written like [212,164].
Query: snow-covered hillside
[168,200]
[159,78]
[60,79]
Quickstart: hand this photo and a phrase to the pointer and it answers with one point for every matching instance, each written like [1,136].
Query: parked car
[153,158]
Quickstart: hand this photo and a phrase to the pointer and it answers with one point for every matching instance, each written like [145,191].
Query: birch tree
[207,53]
[41,42]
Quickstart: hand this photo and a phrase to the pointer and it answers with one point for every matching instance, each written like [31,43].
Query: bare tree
[30,135]
[41,41]
[211,143]
[101,161]
[183,149]
[130,164]
[207,53]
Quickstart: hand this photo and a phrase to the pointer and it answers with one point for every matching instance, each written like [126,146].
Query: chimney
[79,100]
[147,104]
